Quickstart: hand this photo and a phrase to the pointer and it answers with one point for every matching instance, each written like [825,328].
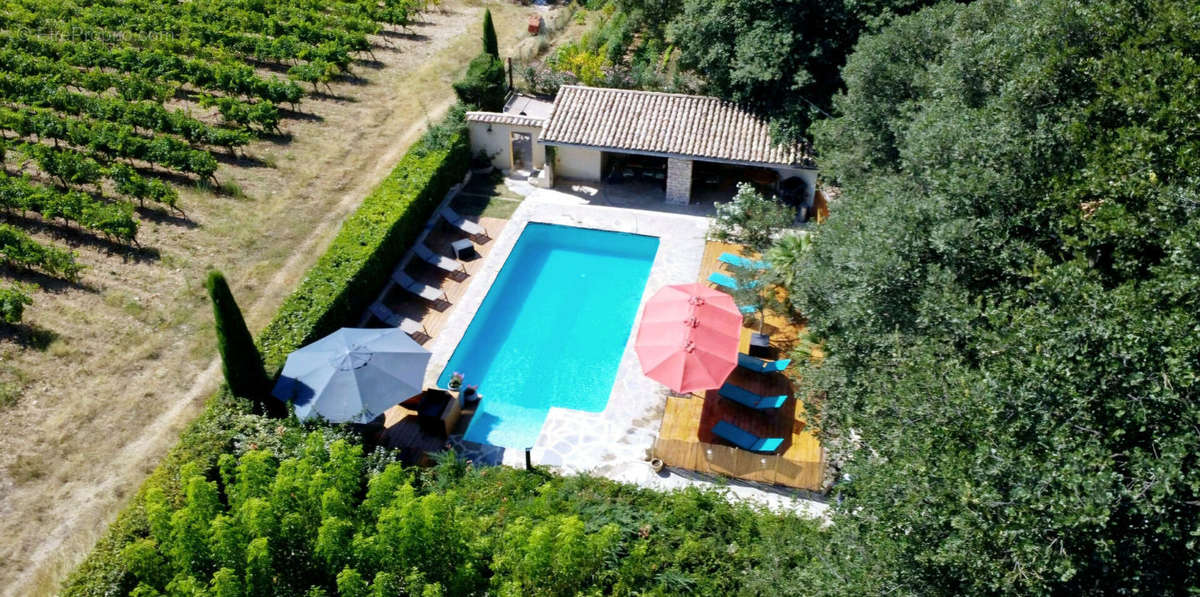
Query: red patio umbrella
[688,337]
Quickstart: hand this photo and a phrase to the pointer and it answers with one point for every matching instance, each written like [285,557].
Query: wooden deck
[685,439]
[434,316]
[401,429]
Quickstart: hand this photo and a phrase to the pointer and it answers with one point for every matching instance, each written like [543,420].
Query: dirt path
[122,362]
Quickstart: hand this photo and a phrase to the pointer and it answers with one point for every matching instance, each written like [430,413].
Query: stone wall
[679,181]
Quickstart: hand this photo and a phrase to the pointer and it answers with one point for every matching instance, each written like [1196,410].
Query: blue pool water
[552,329]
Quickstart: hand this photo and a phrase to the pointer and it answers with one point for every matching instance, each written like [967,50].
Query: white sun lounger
[463,224]
[389,317]
[441,261]
[424,291]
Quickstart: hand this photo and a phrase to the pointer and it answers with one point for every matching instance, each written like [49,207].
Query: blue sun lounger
[758,365]
[728,282]
[739,261]
[744,439]
[748,309]
[745,397]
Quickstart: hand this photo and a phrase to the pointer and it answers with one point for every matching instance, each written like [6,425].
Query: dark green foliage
[780,59]
[1009,293]
[240,359]
[765,54]
[484,87]
[455,530]
[490,44]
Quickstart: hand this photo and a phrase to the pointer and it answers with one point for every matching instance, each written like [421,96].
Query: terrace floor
[433,316]
[618,442]
[685,439]
[484,201]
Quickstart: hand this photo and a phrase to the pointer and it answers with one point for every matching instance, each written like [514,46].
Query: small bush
[13,301]
[484,86]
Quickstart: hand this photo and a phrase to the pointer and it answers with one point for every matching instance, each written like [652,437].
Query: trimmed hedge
[337,288]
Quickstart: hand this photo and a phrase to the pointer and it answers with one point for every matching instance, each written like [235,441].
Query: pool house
[688,145]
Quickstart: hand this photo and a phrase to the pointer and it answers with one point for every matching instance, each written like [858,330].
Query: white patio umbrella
[353,375]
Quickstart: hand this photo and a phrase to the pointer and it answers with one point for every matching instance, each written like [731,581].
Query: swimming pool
[552,329]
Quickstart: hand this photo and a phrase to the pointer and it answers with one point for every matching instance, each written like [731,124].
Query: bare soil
[104,375]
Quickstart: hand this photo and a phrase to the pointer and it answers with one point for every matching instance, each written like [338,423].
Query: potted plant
[456,380]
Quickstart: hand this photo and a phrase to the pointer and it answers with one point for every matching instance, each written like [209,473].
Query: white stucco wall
[497,143]
[809,176]
[577,163]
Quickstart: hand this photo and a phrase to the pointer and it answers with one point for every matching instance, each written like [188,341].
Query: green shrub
[484,85]
[13,301]
[334,526]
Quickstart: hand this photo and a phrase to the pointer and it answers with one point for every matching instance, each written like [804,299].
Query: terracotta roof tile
[667,123]
[501,118]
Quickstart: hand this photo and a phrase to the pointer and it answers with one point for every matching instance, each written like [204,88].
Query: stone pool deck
[614,443]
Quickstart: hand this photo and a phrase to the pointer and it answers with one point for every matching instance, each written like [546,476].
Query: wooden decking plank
[401,429]
[434,317]
[686,439]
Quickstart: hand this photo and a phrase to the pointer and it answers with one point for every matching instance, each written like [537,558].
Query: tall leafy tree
[240,359]
[1008,291]
[781,59]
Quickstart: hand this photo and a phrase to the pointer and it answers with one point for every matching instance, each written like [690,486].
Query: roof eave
[788,165]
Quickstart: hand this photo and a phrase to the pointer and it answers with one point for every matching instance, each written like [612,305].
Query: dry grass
[98,384]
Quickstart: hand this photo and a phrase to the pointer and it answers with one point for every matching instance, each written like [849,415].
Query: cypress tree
[240,359]
[490,43]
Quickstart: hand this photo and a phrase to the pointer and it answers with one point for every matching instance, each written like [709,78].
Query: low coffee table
[463,248]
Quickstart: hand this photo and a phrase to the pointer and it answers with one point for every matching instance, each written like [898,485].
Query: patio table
[463,248]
